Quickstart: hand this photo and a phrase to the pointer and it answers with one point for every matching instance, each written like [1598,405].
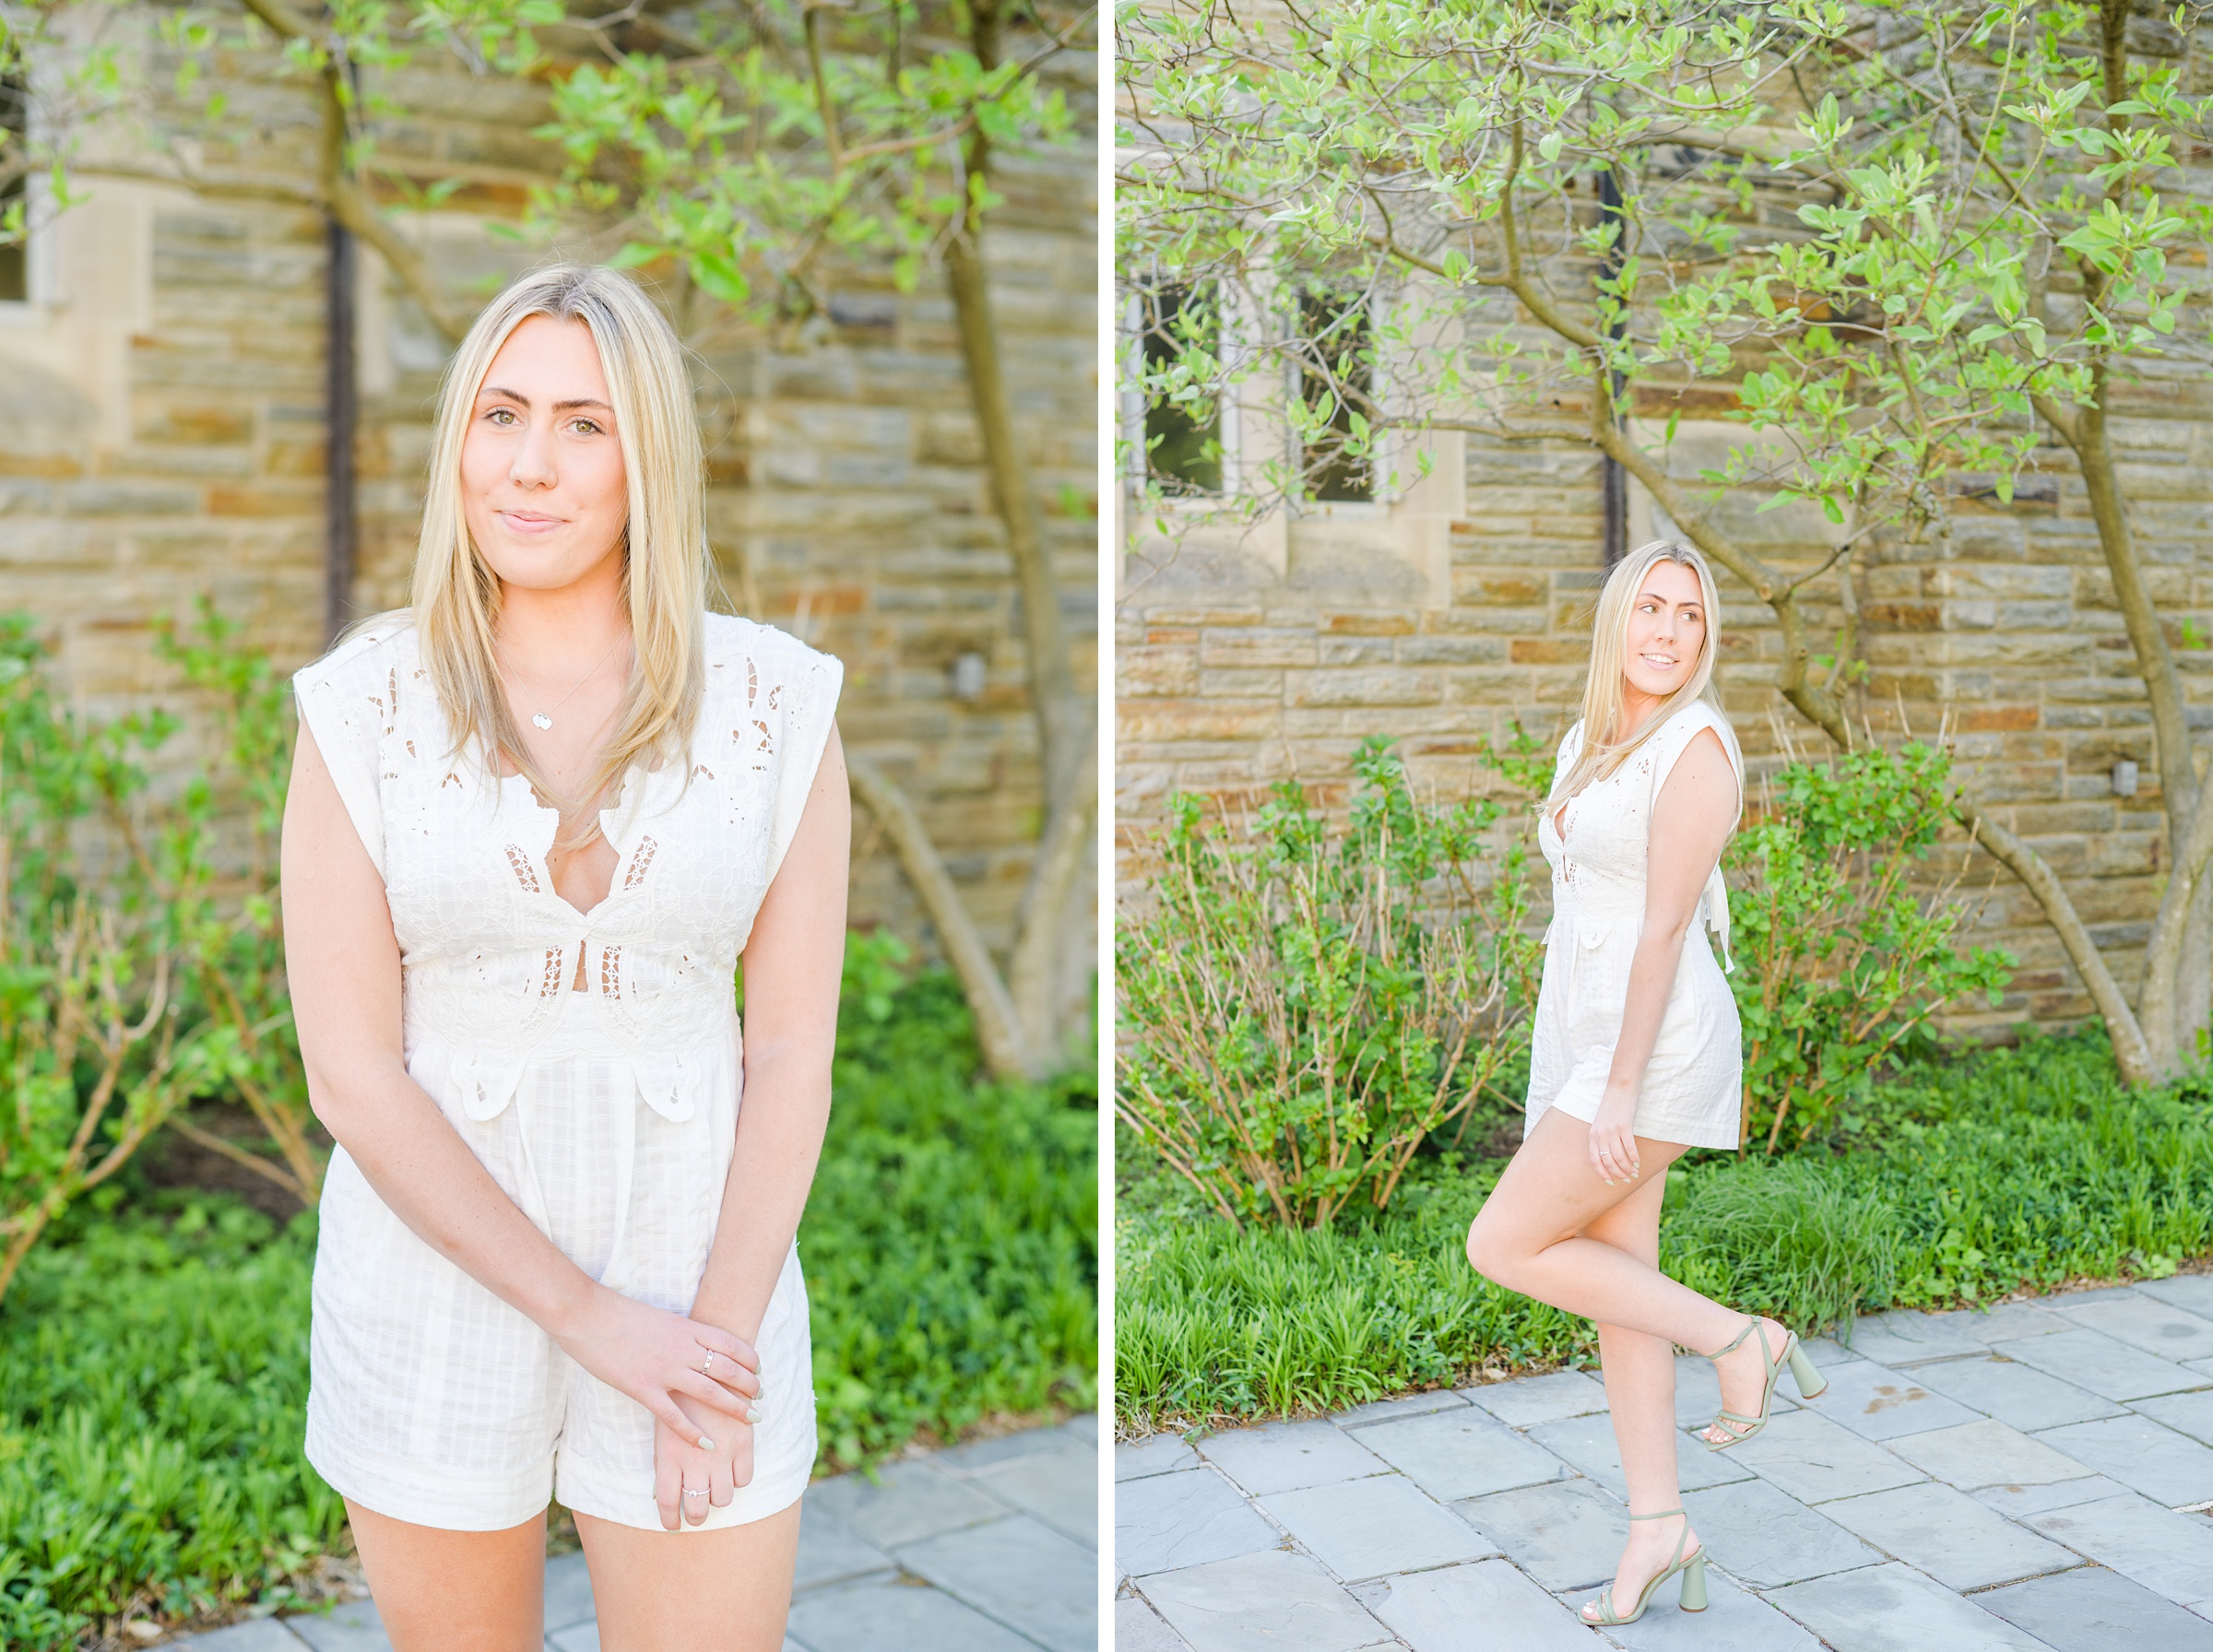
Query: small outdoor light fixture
[2125,778]
[968,677]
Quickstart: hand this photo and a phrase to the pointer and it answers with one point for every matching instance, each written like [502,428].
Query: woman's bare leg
[455,1592]
[728,1590]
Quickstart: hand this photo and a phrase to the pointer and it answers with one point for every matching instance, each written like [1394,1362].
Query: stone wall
[161,434]
[1241,664]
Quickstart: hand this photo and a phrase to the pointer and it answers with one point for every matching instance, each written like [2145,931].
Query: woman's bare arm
[342,961]
[1691,820]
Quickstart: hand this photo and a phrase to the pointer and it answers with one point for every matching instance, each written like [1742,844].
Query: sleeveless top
[1692,1087]
[488,949]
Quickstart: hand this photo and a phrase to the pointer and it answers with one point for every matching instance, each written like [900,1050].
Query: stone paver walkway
[989,1547]
[2033,1477]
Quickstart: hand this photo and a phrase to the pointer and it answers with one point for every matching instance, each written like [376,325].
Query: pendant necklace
[545,719]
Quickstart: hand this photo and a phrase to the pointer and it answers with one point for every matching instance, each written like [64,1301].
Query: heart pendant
[541,720]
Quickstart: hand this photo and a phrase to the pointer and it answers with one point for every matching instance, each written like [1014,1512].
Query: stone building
[163,425]
[1447,612]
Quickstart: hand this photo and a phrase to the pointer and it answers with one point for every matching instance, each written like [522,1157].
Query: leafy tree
[1912,249]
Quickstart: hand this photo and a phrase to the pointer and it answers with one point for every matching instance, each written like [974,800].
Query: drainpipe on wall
[341,408]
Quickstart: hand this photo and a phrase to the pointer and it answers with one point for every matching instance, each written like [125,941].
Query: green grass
[2013,1170]
[153,1355]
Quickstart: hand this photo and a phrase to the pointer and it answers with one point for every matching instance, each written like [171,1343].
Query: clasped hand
[1614,1141]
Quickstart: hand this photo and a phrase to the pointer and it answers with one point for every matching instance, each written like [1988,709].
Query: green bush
[2012,1170]
[1304,1006]
[153,1355]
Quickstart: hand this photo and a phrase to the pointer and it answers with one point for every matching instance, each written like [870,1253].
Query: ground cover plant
[153,1352]
[2010,1170]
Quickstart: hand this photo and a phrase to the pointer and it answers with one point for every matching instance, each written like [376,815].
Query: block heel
[1694,1583]
[1811,1384]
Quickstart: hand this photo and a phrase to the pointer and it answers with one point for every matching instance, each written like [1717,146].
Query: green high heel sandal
[1692,1566]
[1811,1384]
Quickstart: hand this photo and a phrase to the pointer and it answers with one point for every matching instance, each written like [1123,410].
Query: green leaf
[719,275]
[634,252]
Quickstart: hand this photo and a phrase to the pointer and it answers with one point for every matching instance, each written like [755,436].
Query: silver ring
[695,1493]
[705,1362]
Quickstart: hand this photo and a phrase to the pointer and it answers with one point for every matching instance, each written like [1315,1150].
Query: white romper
[1693,1084]
[607,1115]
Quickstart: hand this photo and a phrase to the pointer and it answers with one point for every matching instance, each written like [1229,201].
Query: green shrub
[1304,1006]
[1792,1240]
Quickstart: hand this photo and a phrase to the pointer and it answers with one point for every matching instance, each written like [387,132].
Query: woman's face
[543,484]
[1667,630]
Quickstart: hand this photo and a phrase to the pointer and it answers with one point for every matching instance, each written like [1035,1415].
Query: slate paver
[1892,1607]
[1188,1518]
[259,1635]
[353,1627]
[1986,1454]
[1274,1602]
[1406,1405]
[1363,1529]
[2170,1554]
[1815,1460]
[1155,1453]
[1138,1628]
[2093,1610]
[2142,1454]
[912,1499]
[569,1578]
[1961,1543]
[1736,1620]
[1698,1392]
[1567,1536]
[2009,1320]
[1903,1338]
[2018,1502]
[2192,1292]
[1486,1607]
[1462,1452]
[1059,1487]
[1757,1533]
[2189,1414]
[867,1617]
[2022,1395]
[1587,1444]
[1878,1403]
[829,1552]
[1018,1572]
[1531,1399]
[2164,1328]
[2092,1359]
[1282,1457]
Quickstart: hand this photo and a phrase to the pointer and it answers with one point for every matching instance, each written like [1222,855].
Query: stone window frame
[38,240]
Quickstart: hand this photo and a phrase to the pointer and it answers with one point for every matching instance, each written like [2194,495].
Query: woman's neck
[1637,709]
[572,623]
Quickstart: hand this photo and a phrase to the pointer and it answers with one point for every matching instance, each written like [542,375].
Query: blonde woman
[1637,1056]
[537,820]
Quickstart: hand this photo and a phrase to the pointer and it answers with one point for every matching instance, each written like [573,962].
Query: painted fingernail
[706,1444]
[753,1415]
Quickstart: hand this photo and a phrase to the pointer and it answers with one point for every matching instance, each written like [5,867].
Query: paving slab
[1486,1607]
[829,1553]
[1986,1454]
[1999,1387]
[869,1617]
[1018,1572]
[1767,1538]
[257,1634]
[1282,1457]
[1587,1444]
[1892,1607]
[2170,1554]
[1903,1338]
[2112,1369]
[353,1627]
[1188,1518]
[2161,1327]
[569,1579]
[1462,1452]
[910,1500]
[584,1637]
[1059,1487]
[1547,1398]
[2007,1320]
[2142,1454]
[1567,1536]
[1699,1391]
[1878,1403]
[1736,1620]
[1276,1602]
[1155,1453]
[1138,1628]
[2189,1414]
[2192,1292]
[1406,1405]
[1826,1350]
[2018,1503]
[1815,1460]
[1961,1543]
[1363,1529]
[2093,1610]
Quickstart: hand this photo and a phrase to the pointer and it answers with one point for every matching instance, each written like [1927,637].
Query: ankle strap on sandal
[1751,1324]
[1665,1514]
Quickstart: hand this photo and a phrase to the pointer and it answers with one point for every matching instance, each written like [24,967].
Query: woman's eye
[585,427]
[500,416]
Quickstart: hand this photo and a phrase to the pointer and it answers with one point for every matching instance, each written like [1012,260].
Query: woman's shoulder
[752,658]
[379,648]
[1686,723]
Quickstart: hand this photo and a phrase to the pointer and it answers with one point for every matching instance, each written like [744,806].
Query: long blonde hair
[667,572]
[1604,746]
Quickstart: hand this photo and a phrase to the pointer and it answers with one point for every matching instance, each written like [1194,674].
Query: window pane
[1181,449]
[15,123]
[1339,360]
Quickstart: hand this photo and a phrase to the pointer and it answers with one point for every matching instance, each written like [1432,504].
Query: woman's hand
[1614,1141]
[681,1470]
[659,1359]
